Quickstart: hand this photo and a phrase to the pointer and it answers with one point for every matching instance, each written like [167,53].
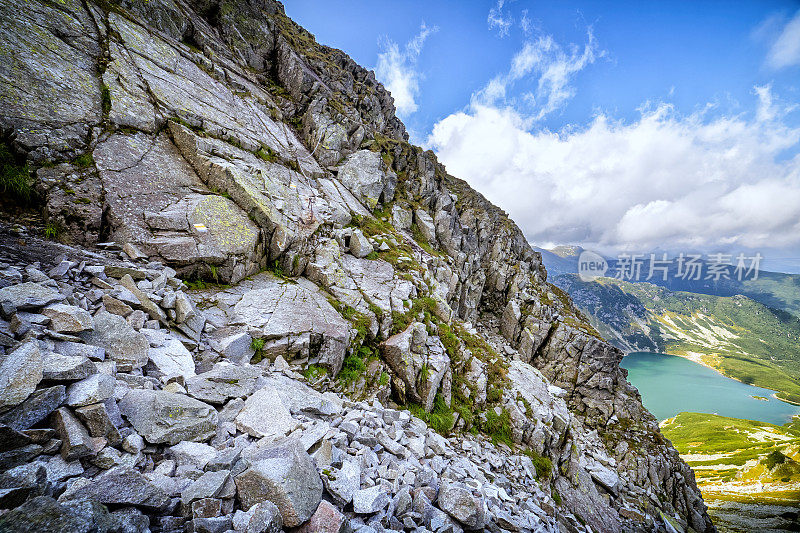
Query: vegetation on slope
[742,460]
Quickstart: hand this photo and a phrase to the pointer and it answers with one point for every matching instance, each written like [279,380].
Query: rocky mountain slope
[361,341]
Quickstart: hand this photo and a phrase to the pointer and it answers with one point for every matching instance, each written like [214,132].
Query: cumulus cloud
[666,180]
[499,19]
[551,66]
[785,48]
[397,69]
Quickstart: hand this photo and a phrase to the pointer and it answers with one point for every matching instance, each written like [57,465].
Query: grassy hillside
[741,460]
[740,337]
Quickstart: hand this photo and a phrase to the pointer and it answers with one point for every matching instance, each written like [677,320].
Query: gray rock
[126,346]
[423,370]
[343,483]
[371,500]
[285,475]
[11,439]
[67,368]
[209,485]
[36,408]
[19,456]
[401,217]
[145,303]
[164,417]
[236,347]
[264,415]
[289,316]
[172,359]
[299,398]
[20,373]
[94,389]
[195,454]
[121,486]
[184,309]
[362,174]
[79,349]
[133,443]
[458,502]
[222,382]
[58,469]
[76,442]
[99,423]
[43,513]
[27,296]
[217,524]
[68,318]
[265,517]
[359,244]
[425,224]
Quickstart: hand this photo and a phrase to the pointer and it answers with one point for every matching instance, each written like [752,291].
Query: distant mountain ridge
[737,335]
[773,289]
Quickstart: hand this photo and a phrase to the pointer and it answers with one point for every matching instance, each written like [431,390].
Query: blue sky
[639,125]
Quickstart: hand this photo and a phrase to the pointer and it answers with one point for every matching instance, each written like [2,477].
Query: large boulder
[362,172]
[359,244]
[75,439]
[265,415]
[43,513]
[36,408]
[165,417]
[203,229]
[94,389]
[27,296]
[68,318]
[458,502]
[285,475]
[128,347]
[20,372]
[171,358]
[420,366]
[223,382]
[295,320]
[121,486]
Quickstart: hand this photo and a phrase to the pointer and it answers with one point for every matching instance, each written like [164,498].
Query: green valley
[748,471]
[736,335]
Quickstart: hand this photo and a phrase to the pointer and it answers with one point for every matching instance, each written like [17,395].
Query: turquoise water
[670,385]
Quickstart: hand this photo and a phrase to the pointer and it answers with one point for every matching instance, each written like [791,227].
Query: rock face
[216,140]
[361,172]
[420,363]
[295,320]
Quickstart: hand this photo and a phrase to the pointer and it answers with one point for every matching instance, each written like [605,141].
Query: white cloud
[551,65]
[666,180]
[525,23]
[785,49]
[397,69]
[499,19]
